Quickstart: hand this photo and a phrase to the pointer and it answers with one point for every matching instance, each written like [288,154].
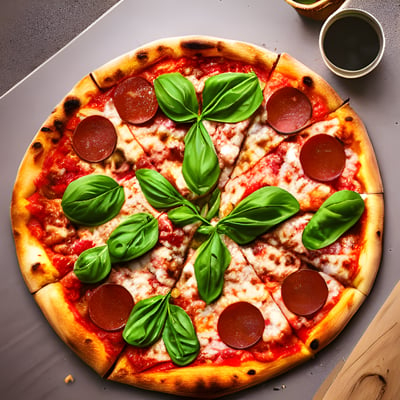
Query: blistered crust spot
[37,150]
[197,45]
[118,75]
[36,267]
[314,344]
[37,146]
[308,81]
[70,105]
[162,49]
[59,125]
[142,57]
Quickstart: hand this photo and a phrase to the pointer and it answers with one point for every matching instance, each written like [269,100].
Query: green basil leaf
[213,258]
[184,215]
[146,321]
[200,162]
[93,265]
[176,97]
[257,213]
[158,190]
[206,229]
[336,215]
[231,97]
[180,337]
[135,236]
[214,203]
[92,200]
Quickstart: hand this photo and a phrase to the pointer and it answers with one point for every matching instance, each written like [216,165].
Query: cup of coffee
[352,42]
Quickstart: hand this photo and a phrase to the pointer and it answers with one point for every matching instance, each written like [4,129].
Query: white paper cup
[348,51]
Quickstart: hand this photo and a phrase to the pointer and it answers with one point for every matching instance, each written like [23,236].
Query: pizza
[198,216]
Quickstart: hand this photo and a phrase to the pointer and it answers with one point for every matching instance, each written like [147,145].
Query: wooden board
[372,370]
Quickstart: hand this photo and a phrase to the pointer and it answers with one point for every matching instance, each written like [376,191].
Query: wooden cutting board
[372,371]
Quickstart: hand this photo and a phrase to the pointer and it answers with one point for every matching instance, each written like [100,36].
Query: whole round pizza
[198,216]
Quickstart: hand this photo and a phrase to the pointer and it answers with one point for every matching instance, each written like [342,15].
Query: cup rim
[366,16]
[312,6]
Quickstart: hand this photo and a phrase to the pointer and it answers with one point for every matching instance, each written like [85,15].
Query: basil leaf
[158,190]
[231,97]
[184,215]
[200,162]
[336,215]
[92,200]
[214,204]
[146,321]
[135,236]
[257,213]
[93,265]
[213,258]
[180,337]
[176,97]
[206,229]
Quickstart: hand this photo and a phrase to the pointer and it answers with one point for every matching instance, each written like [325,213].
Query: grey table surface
[33,360]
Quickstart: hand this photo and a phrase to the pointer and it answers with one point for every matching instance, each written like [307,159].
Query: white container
[352,43]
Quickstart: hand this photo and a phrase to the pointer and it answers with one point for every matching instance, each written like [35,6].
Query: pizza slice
[90,317]
[294,97]
[229,355]
[65,306]
[316,305]
[353,259]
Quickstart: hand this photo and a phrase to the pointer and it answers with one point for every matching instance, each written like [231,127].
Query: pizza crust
[135,61]
[330,327]
[36,268]
[207,381]
[371,246]
[358,137]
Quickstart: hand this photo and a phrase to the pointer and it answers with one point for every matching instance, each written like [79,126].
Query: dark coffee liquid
[351,43]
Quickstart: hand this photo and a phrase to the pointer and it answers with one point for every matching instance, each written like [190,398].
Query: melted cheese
[335,260]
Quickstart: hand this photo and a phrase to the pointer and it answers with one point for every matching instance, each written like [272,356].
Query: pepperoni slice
[288,110]
[109,306]
[241,325]
[94,138]
[304,292]
[135,100]
[323,158]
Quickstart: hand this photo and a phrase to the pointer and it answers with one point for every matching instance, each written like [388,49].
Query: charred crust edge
[142,56]
[59,125]
[35,266]
[314,344]
[197,45]
[308,81]
[37,146]
[71,104]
